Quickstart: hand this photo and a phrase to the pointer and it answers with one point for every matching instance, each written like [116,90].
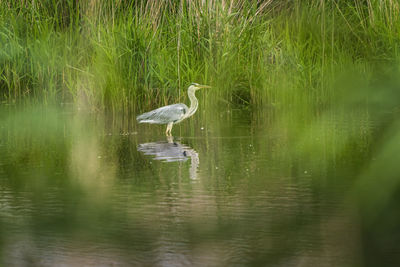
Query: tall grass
[134,55]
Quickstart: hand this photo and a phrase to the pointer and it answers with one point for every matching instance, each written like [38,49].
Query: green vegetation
[137,54]
[297,141]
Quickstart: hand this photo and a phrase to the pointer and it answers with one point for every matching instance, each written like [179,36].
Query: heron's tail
[141,118]
[147,121]
[146,118]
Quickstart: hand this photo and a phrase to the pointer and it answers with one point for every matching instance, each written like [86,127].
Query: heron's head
[196,86]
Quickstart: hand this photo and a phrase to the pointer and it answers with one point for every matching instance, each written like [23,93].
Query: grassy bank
[134,56]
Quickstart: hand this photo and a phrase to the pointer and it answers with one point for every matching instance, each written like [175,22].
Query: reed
[127,56]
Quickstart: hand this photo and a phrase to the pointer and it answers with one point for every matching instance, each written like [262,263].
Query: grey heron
[175,113]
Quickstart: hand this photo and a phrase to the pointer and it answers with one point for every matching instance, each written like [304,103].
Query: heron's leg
[169,128]
[170,139]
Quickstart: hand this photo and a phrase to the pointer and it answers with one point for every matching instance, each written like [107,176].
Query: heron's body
[172,114]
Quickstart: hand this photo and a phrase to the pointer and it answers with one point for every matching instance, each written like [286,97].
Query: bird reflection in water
[172,151]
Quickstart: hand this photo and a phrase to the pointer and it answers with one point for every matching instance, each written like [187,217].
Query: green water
[233,188]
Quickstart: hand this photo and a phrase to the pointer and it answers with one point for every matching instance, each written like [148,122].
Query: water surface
[241,188]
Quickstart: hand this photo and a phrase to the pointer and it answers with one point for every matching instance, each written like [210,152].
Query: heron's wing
[171,113]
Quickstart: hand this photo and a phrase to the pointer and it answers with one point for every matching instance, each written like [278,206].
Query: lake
[233,187]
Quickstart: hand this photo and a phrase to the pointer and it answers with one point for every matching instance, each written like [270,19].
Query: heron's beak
[203,86]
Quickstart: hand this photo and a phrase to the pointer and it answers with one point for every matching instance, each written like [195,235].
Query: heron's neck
[193,103]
